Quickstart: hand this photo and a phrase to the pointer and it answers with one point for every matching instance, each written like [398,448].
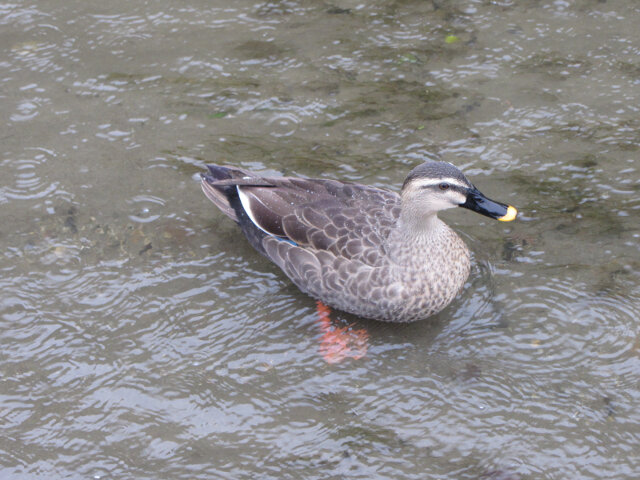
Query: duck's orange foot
[339,343]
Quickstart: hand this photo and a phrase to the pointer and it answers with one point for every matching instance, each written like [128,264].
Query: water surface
[141,337]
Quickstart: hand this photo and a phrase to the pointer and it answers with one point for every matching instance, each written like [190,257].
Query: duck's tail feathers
[221,186]
[217,184]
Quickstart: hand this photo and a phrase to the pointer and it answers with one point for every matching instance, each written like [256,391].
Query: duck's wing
[335,247]
[347,220]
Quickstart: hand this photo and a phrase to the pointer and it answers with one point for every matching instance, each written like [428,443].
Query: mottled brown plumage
[357,248]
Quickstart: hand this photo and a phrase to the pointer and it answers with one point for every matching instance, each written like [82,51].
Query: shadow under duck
[357,248]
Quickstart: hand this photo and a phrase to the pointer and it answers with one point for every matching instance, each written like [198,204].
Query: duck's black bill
[477,202]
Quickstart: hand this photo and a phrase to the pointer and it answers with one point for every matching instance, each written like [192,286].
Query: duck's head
[435,186]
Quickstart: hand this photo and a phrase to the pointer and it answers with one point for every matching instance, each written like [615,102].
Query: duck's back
[348,220]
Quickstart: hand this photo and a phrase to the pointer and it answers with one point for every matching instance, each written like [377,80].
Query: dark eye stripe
[454,188]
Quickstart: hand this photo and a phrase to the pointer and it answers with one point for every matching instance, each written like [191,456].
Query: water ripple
[145,206]
[21,179]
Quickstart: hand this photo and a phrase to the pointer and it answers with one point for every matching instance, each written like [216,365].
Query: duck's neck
[415,234]
[419,224]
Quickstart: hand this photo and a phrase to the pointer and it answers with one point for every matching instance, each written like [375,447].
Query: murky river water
[142,337]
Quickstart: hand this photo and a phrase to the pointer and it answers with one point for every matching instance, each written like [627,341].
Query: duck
[357,248]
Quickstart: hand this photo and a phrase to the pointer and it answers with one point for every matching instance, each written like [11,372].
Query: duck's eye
[444,186]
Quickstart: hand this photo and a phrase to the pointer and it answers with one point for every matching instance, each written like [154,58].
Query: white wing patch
[246,205]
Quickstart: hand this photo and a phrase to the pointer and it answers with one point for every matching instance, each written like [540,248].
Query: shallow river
[141,336]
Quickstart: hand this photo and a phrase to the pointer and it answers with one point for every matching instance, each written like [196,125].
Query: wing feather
[341,220]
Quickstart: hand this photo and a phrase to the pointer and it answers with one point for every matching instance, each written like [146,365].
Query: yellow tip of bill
[510,215]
